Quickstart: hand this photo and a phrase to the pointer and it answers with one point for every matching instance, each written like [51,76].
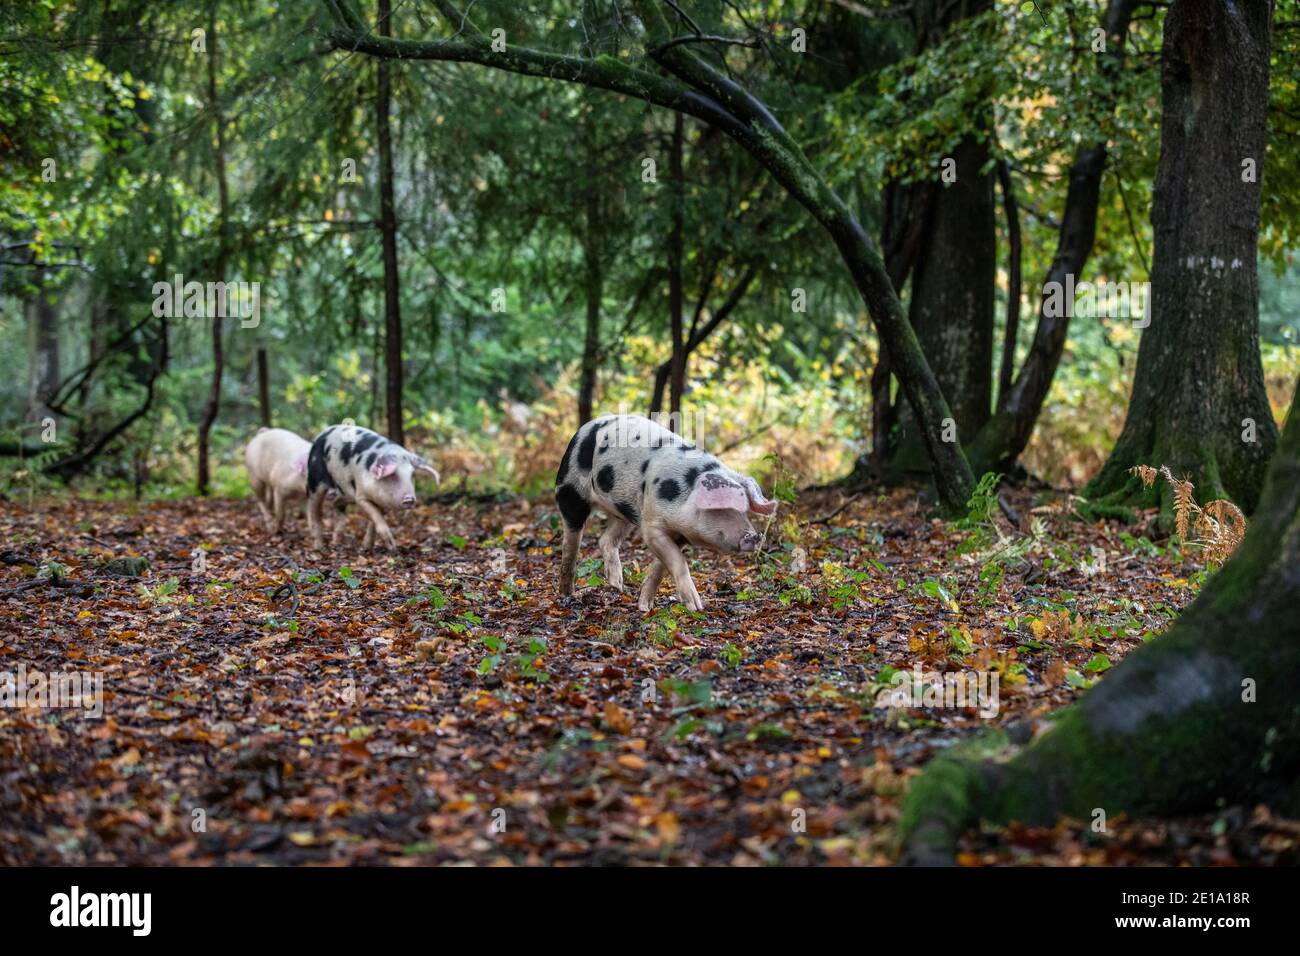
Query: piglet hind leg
[569,558]
[260,496]
[575,511]
[664,549]
[610,540]
[650,586]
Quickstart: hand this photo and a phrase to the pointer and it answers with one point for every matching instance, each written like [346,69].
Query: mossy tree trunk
[1199,403]
[1208,710]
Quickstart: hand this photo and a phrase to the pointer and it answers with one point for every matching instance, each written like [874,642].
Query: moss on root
[1207,711]
[952,793]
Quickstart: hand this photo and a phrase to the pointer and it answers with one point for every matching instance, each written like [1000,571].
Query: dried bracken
[1219,526]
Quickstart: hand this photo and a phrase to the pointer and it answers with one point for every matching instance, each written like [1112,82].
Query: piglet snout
[408,501]
[749,541]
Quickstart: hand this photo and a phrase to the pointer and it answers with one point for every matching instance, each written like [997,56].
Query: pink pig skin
[277,472]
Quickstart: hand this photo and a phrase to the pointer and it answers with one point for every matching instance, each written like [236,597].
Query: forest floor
[268,704]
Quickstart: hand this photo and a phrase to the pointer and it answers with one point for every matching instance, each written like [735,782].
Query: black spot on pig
[690,476]
[628,512]
[318,472]
[644,465]
[669,490]
[345,453]
[365,442]
[605,479]
[370,459]
[643,487]
[587,450]
[564,462]
[573,507]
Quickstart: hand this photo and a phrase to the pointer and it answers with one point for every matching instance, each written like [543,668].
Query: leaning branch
[602,72]
[701,91]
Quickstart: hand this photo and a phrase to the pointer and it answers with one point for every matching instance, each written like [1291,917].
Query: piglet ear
[300,464]
[423,464]
[718,496]
[383,467]
[757,500]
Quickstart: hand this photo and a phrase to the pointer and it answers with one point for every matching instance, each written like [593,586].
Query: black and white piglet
[362,467]
[643,475]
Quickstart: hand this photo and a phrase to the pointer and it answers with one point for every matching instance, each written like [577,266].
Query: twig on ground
[827,518]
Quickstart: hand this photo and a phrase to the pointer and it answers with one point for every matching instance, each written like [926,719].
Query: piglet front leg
[314,504]
[378,523]
[650,586]
[672,559]
[610,541]
[277,519]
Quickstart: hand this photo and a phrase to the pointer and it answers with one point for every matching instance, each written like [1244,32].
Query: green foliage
[494,172]
[983,502]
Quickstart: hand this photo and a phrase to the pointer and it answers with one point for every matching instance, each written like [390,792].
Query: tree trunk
[953,261]
[388,234]
[677,363]
[1203,713]
[43,325]
[595,280]
[951,307]
[1199,403]
[902,232]
[1010,333]
[221,261]
[699,333]
[263,388]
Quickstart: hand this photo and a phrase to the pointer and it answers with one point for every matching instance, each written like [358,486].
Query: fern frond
[1229,528]
[1219,527]
[1146,473]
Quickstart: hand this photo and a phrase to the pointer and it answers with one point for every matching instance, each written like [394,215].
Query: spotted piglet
[643,475]
[364,467]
